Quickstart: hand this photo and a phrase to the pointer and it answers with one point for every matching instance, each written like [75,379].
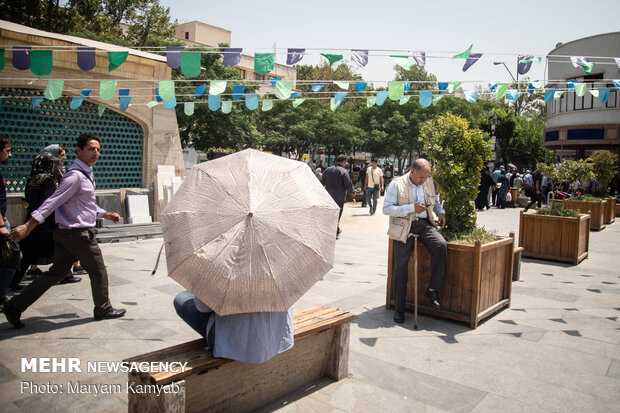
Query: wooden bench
[217,385]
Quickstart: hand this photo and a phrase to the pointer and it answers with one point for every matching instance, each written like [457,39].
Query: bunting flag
[584,63]
[123,98]
[473,58]
[54,89]
[501,89]
[251,101]
[443,86]
[492,86]
[436,99]
[294,56]
[617,60]
[106,89]
[537,84]
[188,108]
[402,61]
[463,55]
[214,102]
[166,89]
[100,110]
[452,86]
[580,89]
[603,94]
[549,94]
[558,94]
[232,56]
[295,94]
[298,102]
[76,102]
[425,98]
[170,104]
[405,99]
[227,106]
[524,63]
[570,85]
[616,83]
[85,93]
[217,87]
[371,101]
[41,62]
[237,92]
[283,89]
[190,64]
[115,59]
[274,80]
[594,92]
[419,58]
[342,85]
[339,97]
[471,95]
[199,91]
[333,58]
[317,87]
[512,95]
[21,57]
[152,104]
[332,104]
[35,102]
[359,87]
[360,57]
[381,96]
[267,105]
[86,58]
[157,97]
[173,56]
[264,62]
[396,90]
[407,86]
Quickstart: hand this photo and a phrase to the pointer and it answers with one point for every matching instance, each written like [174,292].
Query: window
[585,134]
[551,136]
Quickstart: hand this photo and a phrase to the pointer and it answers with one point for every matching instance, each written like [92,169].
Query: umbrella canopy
[249,232]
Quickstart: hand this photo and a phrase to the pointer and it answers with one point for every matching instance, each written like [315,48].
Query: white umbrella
[249,232]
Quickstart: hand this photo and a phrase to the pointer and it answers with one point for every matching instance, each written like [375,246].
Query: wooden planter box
[554,202]
[554,238]
[477,282]
[596,209]
[610,210]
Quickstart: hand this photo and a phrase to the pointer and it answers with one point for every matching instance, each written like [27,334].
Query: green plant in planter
[571,171]
[604,168]
[558,212]
[458,153]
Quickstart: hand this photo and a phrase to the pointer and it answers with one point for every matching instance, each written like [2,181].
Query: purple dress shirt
[73,200]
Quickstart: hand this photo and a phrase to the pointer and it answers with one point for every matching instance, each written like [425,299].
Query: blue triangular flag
[238,91]
[169,104]
[571,85]
[159,99]
[199,90]
[360,86]
[76,102]
[339,97]
[549,94]
[317,87]
[274,80]
[124,98]
[603,94]
[215,102]
[251,101]
[442,86]
[425,98]
[381,96]
[35,101]
[407,86]
[85,92]
[492,86]
[294,95]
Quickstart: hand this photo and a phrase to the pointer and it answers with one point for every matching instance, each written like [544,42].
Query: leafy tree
[581,170]
[148,22]
[604,169]
[415,74]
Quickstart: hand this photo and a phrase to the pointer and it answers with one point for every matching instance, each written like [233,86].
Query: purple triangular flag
[419,58]
[524,64]
[473,58]
[232,56]
[21,57]
[173,56]
[360,57]
[294,56]
[86,58]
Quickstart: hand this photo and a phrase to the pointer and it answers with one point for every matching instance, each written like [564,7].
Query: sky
[499,29]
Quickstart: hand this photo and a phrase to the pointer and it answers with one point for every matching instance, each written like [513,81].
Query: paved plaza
[556,349]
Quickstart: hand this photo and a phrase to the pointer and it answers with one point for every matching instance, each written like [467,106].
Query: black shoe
[79,270]
[36,271]
[111,313]
[399,317]
[433,297]
[12,316]
[69,279]
[15,287]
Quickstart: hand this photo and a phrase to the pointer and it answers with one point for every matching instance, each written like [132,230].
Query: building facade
[578,125]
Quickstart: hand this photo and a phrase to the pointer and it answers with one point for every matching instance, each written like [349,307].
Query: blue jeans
[186,309]
[371,195]
[6,274]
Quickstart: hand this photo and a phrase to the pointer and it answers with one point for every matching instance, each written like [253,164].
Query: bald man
[410,201]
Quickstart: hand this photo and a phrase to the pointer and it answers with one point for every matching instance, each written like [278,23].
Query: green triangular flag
[501,89]
[227,106]
[580,89]
[190,63]
[267,105]
[342,85]
[464,55]
[587,67]
[557,94]
[371,101]
[298,102]
[54,89]
[217,87]
[332,104]
[436,99]
[333,58]
[264,62]
[41,63]
[188,108]
[1,59]
[538,84]
[166,89]
[283,89]
[152,104]
[402,61]
[116,59]
[405,99]
[396,90]
[453,85]
[106,89]
[100,110]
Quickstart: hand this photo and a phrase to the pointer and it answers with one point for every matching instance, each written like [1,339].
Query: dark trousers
[371,198]
[341,205]
[534,198]
[75,243]
[438,248]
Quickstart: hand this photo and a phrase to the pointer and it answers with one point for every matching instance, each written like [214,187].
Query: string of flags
[40,61]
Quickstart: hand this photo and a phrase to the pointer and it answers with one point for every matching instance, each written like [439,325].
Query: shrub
[558,212]
[604,169]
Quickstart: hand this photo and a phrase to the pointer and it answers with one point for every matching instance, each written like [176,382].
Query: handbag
[9,254]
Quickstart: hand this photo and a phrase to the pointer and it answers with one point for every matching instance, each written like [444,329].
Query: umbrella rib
[223,188]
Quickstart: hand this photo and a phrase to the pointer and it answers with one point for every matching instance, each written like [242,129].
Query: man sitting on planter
[410,201]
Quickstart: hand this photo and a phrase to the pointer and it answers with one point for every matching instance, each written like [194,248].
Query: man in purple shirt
[76,213]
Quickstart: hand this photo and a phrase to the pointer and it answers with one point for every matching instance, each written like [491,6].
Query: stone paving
[556,349]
